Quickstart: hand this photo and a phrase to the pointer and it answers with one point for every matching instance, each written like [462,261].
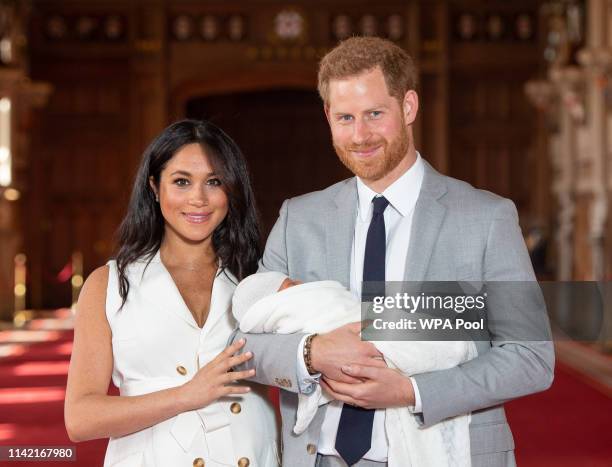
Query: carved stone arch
[230,82]
[278,122]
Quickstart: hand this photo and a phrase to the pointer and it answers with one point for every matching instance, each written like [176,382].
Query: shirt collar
[401,194]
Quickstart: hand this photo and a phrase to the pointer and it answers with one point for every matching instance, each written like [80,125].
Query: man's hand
[330,351]
[381,387]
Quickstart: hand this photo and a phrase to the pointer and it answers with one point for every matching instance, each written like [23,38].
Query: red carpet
[32,387]
[569,425]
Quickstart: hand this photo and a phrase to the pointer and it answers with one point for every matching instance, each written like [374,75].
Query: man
[397,219]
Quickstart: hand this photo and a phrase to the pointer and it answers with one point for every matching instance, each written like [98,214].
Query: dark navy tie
[354,437]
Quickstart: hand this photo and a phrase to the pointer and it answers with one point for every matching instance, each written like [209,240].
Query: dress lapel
[339,232]
[428,216]
[159,290]
[220,298]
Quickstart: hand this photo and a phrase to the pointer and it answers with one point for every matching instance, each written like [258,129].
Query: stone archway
[284,136]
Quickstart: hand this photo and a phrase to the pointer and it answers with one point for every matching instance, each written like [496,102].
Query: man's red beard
[377,166]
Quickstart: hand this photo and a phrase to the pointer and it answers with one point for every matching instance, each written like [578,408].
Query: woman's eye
[214,182]
[181,182]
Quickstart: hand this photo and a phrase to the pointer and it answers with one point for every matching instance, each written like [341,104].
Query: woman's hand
[215,379]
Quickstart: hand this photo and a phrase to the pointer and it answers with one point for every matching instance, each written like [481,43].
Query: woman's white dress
[158,345]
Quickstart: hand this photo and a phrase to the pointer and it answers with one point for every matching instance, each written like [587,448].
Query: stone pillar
[149,100]
[596,61]
[22,98]
[563,150]
[25,97]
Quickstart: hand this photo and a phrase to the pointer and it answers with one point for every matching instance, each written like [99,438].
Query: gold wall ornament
[56,27]
[183,27]
[342,27]
[395,27]
[524,27]
[283,53]
[496,27]
[114,27]
[76,281]
[148,45]
[86,27]
[210,28]
[6,156]
[289,25]
[19,290]
[368,25]
[12,194]
[237,28]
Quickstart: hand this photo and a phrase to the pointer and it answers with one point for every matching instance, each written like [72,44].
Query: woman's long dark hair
[236,240]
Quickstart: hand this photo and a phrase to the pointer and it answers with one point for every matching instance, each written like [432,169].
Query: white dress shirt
[402,196]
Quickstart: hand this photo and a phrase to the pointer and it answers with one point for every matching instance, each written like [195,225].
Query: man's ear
[410,107]
[153,187]
[326,110]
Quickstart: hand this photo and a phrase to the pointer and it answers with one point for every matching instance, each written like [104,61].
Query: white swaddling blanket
[318,307]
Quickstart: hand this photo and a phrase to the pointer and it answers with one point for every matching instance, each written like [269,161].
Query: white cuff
[418,407]
[306,381]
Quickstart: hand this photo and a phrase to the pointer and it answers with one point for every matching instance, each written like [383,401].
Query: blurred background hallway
[516,98]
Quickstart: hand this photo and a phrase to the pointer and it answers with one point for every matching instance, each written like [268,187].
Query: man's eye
[346,118]
[181,182]
[214,182]
[375,113]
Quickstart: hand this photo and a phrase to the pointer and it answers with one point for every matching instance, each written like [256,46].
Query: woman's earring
[156,198]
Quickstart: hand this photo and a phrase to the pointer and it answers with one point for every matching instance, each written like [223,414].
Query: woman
[157,318]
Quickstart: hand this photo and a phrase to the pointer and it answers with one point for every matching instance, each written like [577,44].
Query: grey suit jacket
[458,233]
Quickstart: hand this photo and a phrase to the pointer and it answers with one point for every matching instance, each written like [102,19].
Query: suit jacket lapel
[339,232]
[428,216]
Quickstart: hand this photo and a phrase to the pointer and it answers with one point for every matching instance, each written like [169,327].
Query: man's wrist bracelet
[307,355]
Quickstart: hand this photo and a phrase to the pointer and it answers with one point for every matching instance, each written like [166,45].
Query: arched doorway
[285,138]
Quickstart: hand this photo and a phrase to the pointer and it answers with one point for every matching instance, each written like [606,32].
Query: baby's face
[288,283]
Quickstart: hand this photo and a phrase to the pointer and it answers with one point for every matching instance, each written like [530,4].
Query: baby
[271,302]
